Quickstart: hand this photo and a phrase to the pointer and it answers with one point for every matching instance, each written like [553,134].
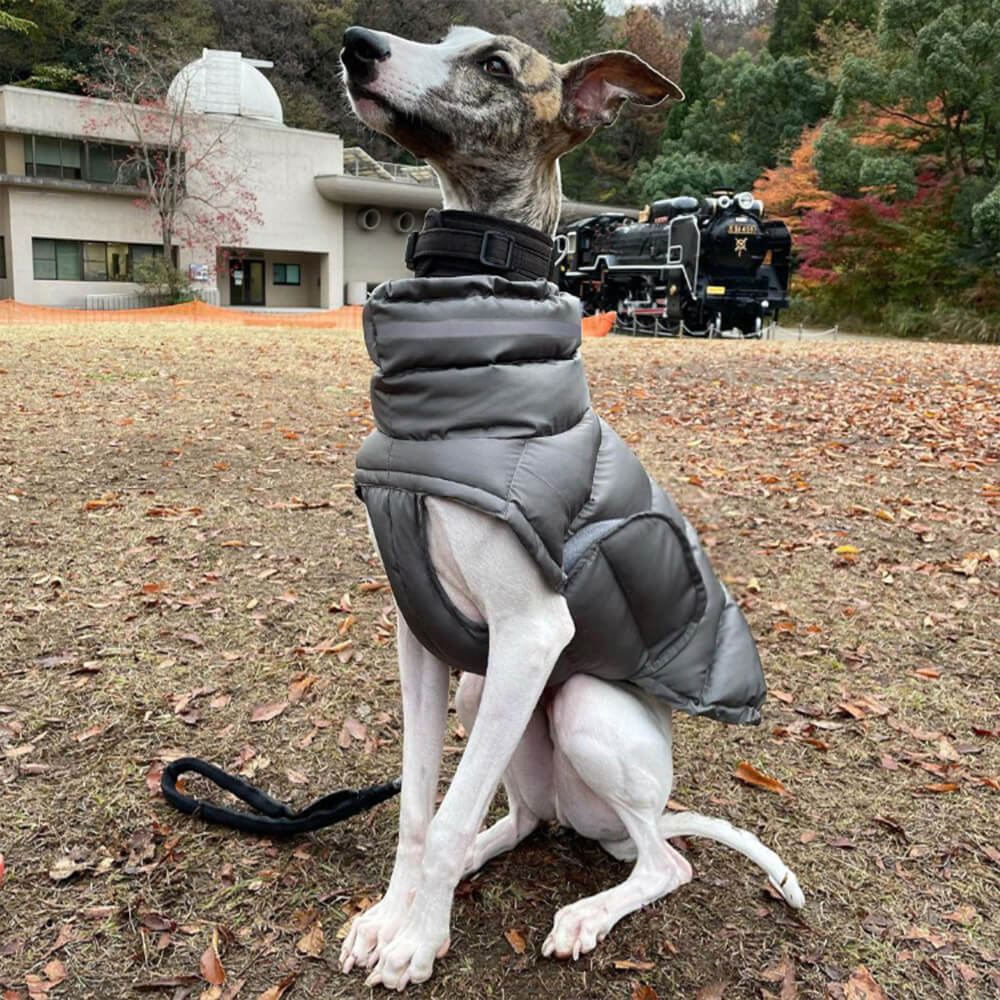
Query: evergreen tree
[795,25]
[690,81]
[583,34]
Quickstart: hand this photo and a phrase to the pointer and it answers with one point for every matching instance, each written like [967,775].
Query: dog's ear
[595,88]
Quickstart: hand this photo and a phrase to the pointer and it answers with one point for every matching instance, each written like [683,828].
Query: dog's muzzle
[362,50]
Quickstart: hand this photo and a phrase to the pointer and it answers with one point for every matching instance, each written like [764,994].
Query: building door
[246,282]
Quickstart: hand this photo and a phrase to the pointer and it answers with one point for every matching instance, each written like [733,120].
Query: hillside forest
[871,126]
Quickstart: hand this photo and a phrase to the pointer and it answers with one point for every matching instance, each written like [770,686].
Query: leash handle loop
[278,819]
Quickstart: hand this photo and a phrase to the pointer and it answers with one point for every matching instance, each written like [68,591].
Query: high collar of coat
[454,243]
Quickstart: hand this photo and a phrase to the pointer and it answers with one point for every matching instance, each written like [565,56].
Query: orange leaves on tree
[791,190]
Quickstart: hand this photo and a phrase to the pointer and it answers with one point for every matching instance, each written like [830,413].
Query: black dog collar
[456,243]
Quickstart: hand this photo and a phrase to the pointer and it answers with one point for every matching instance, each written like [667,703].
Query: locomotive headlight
[765,304]
[745,201]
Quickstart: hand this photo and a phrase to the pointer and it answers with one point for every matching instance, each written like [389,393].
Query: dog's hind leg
[613,774]
[527,780]
[424,682]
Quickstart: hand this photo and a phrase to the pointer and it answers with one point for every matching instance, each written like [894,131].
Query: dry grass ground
[180,546]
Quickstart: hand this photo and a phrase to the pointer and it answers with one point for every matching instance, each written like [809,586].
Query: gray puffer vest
[480,397]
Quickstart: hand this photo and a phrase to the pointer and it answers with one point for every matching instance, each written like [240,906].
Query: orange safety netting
[598,325]
[345,318]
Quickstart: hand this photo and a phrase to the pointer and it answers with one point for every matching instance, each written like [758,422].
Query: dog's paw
[408,958]
[577,929]
[370,932]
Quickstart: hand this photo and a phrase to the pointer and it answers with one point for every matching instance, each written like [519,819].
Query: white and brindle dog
[492,116]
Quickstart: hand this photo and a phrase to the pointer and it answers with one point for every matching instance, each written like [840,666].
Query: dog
[492,116]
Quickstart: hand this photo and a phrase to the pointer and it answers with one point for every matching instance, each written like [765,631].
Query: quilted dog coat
[479,396]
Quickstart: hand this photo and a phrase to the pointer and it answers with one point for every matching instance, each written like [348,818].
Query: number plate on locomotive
[742,229]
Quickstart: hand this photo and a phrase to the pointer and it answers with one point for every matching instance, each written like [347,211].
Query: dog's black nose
[362,50]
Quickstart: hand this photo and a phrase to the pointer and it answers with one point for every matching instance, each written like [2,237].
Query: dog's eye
[496,66]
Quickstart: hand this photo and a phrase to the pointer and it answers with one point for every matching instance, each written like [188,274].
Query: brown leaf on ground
[268,711]
[278,991]
[643,992]
[211,967]
[311,943]
[628,963]
[750,775]
[516,940]
[861,986]
[783,973]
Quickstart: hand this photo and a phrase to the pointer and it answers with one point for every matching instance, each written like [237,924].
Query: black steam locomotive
[695,267]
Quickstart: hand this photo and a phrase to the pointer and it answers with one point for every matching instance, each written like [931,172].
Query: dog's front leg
[519,665]
[424,681]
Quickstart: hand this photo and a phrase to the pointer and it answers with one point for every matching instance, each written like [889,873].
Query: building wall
[281,166]
[6,284]
[63,215]
[377,255]
[307,294]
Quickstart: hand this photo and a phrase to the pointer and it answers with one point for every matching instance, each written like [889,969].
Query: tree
[792,189]
[11,22]
[186,165]
[795,26]
[728,25]
[686,172]
[584,33]
[690,81]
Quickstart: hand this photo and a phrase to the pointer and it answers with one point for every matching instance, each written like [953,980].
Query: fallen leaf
[964,914]
[628,963]
[55,972]
[861,986]
[311,943]
[643,992]
[750,775]
[277,992]
[784,973]
[941,787]
[64,868]
[515,940]
[211,968]
[268,711]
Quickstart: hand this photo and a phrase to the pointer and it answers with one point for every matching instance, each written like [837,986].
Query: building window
[50,157]
[287,274]
[100,162]
[95,262]
[119,262]
[91,260]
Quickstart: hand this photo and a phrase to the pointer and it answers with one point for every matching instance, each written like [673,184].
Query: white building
[333,222]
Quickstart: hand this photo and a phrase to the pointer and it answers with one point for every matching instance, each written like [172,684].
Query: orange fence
[599,325]
[346,318]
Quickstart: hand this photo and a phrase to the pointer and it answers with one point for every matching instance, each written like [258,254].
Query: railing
[358,163]
[139,300]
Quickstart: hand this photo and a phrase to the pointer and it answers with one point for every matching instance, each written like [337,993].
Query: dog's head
[475,96]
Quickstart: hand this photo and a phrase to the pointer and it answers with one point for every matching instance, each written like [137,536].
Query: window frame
[284,281]
[145,249]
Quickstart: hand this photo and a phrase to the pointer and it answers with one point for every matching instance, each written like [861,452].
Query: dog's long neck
[530,193]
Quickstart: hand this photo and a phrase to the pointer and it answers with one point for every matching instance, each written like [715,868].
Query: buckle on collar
[506,259]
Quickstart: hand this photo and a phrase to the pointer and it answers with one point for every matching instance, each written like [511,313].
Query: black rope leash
[278,820]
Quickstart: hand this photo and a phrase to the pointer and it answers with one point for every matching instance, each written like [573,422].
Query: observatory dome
[225,83]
